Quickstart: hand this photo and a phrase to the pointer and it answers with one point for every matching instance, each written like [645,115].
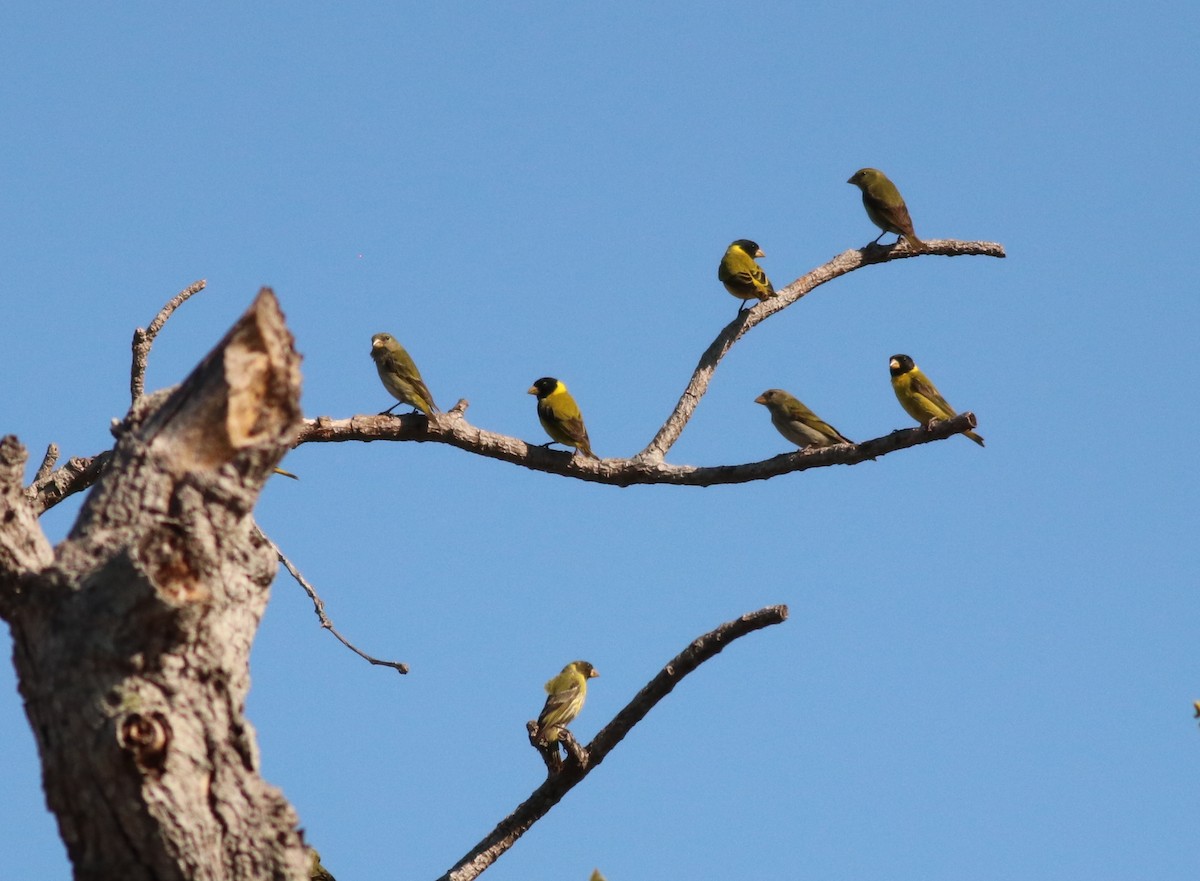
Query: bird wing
[920,385]
[562,705]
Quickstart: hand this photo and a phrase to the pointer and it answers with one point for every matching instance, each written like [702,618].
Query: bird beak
[532,390]
[760,253]
[594,673]
[850,179]
[760,400]
[893,364]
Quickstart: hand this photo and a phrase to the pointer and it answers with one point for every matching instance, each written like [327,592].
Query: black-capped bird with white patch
[919,397]
[560,416]
[741,274]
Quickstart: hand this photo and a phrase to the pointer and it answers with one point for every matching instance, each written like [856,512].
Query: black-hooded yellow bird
[797,423]
[560,416]
[885,206]
[565,694]
[919,397]
[741,275]
[400,375]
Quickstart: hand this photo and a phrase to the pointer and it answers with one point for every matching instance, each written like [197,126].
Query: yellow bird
[919,397]
[566,693]
[560,416]
[741,275]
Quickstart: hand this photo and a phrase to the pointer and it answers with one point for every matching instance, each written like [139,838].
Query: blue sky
[990,660]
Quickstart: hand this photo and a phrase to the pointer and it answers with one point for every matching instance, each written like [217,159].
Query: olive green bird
[741,274]
[560,416]
[400,375]
[919,397]
[565,694]
[797,423]
[885,206]
[317,872]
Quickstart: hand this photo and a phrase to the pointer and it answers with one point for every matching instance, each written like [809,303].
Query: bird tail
[973,436]
[914,243]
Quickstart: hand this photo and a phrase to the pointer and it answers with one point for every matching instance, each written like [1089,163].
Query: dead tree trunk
[132,637]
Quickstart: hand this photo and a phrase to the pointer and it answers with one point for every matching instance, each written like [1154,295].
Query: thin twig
[547,795]
[143,338]
[843,263]
[47,463]
[452,428]
[78,474]
[319,608]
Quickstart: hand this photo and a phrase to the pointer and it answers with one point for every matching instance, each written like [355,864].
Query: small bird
[400,375]
[741,275]
[560,416]
[566,693]
[317,872]
[797,423]
[919,397]
[885,206]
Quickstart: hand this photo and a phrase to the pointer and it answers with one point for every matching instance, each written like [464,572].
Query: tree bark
[132,637]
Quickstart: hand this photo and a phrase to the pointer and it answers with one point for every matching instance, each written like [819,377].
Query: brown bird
[885,206]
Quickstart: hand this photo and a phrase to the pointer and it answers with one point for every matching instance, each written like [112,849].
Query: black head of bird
[900,364]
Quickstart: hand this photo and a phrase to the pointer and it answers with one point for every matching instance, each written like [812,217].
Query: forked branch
[646,467]
[843,263]
[143,338]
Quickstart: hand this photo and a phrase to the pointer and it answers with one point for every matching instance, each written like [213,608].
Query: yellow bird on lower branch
[566,693]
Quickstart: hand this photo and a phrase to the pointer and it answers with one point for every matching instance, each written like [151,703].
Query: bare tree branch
[47,465]
[319,608]
[143,338]
[646,467]
[843,263]
[452,428]
[549,794]
[77,475]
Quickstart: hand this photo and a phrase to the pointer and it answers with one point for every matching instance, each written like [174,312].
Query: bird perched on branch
[741,274]
[400,375]
[560,416]
[885,206]
[317,872]
[565,696]
[797,423]
[919,397]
